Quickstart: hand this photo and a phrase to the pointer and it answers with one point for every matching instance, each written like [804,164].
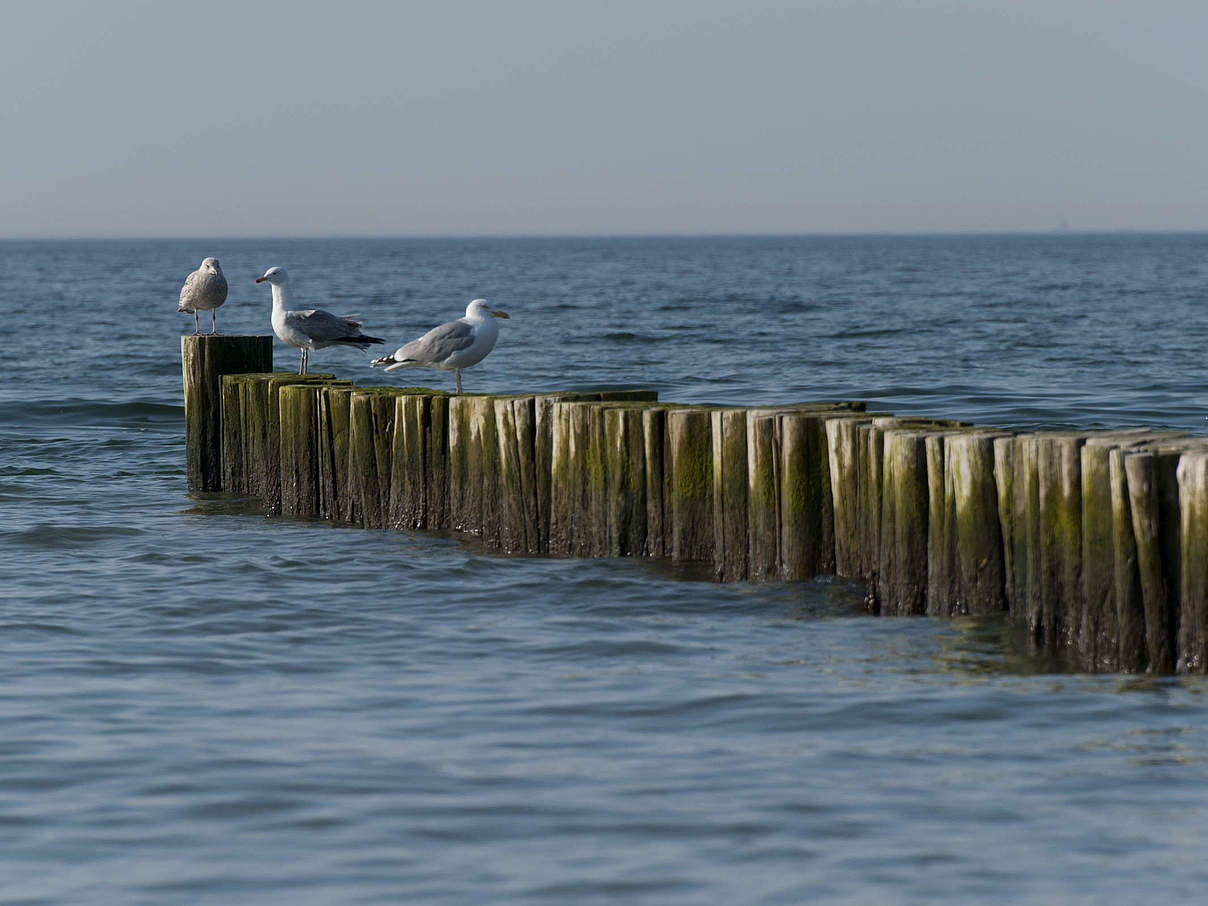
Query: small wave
[855,334]
[625,336]
[89,412]
[51,537]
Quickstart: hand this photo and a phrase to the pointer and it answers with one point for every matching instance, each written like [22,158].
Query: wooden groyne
[1096,543]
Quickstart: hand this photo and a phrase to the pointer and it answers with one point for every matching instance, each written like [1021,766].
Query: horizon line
[720,234]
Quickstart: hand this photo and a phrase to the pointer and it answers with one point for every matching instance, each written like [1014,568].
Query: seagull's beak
[500,314]
[261,279]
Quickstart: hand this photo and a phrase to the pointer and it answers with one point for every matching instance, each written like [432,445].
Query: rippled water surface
[200,705]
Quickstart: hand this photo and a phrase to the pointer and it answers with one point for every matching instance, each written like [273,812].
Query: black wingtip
[361,341]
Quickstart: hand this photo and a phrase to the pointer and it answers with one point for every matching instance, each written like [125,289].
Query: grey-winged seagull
[310,328]
[205,290]
[451,346]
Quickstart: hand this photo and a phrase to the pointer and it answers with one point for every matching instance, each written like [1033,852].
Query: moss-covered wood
[1004,484]
[729,480]
[370,451]
[334,404]
[515,428]
[251,432]
[763,532]
[1192,475]
[204,360]
[902,574]
[1130,648]
[299,448]
[688,489]
[1096,638]
[654,445]
[807,515]
[408,464]
[626,481]
[844,463]
[1095,542]
[1154,500]
[975,532]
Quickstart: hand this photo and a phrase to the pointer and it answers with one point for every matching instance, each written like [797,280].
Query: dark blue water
[200,705]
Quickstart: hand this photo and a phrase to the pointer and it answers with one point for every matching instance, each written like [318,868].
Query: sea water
[202,705]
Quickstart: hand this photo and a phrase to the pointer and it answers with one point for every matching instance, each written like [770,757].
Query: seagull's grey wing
[322,326]
[203,289]
[438,343]
[189,290]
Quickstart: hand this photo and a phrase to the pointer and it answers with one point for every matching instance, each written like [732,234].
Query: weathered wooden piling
[762,533]
[1096,542]
[806,528]
[1192,476]
[688,485]
[298,409]
[1154,500]
[1096,637]
[251,431]
[902,573]
[204,360]
[515,427]
[844,468]
[977,580]
[333,421]
[372,412]
[1129,642]
[730,481]
[626,481]
[473,465]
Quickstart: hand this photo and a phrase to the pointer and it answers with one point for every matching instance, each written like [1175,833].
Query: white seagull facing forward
[205,290]
[451,346]
[310,328]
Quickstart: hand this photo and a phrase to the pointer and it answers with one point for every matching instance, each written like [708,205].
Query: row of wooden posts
[1095,542]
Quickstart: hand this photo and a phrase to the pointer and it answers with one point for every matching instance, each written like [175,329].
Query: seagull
[205,290]
[311,328]
[452,346]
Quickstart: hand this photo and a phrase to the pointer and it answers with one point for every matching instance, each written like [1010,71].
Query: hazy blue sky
[247,118]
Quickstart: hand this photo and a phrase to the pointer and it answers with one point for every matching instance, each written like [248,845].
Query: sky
[454,117]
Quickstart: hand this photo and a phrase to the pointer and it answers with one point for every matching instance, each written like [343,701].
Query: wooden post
[843,460]
[1154,500]
[204,360]
[1129,643]
[654,444]
[902,574]
[626,481]
[763,504]
[408,469]
[1097,638]
[939,550]
[334,404]
[370,449]
[251,432]
[1193,581]
[730,478]
[870,444]
[1059,475]
[975,530]
[1004,483]
[299,449]
[515,433]
[807,513]
[578,492]
[689,482]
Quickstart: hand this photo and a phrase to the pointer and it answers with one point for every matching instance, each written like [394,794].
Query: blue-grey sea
[203,705]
